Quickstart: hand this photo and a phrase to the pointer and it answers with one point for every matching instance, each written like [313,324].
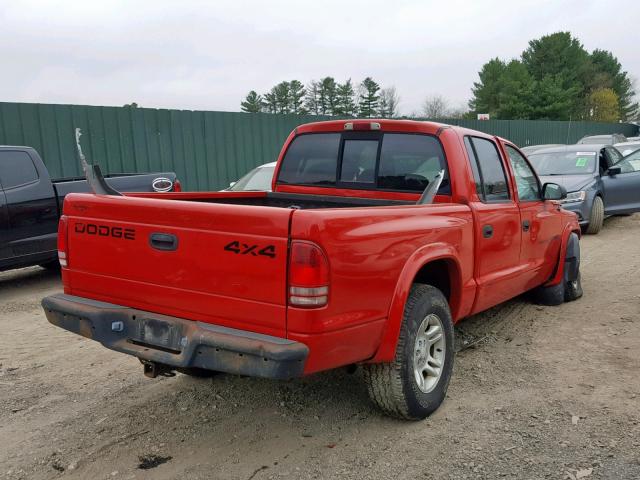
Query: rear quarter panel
[368,250]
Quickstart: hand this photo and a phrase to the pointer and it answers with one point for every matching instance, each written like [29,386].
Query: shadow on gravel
[28,277]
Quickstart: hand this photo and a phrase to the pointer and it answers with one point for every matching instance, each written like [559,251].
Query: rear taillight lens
[63,254]
[177,186]
[308,275]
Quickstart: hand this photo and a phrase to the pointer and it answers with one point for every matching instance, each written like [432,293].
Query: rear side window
[311,160]
[16,168]
[489,168]
[410,162]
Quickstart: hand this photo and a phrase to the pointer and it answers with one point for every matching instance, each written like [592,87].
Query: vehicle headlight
[574,197]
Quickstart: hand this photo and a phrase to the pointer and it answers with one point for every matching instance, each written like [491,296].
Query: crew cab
[31,203]
[377,237]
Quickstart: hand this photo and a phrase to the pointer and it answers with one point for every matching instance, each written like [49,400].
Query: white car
[258,179]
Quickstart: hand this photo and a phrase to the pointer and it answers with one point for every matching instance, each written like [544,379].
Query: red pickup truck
[343,263]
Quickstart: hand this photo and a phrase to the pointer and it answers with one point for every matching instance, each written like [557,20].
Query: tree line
[556,78]
[326,97]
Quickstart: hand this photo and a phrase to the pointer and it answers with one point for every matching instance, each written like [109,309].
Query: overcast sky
[208,54]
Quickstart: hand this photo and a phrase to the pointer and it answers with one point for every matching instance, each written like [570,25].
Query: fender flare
[421,257]
[569,248]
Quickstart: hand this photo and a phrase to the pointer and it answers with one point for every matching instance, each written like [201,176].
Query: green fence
[207,150]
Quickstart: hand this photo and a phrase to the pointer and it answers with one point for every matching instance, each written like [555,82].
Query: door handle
[525,225]
[487,231]
[163,241]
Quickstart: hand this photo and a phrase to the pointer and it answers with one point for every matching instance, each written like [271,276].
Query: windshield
[257,179]
[564,163]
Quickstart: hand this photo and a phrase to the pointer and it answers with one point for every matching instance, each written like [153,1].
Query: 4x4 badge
[254,250]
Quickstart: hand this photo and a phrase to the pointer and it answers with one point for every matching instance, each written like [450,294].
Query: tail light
[63,253]
[177,186]
[308,275]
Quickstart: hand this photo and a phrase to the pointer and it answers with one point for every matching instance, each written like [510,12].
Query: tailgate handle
[163,241]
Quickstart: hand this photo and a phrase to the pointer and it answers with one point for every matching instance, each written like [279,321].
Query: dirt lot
[544,393]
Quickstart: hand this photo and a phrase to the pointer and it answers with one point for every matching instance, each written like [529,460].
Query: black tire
[570,288]
[550,296]
[596,218]
[394,386]
[197,372]
[573,290]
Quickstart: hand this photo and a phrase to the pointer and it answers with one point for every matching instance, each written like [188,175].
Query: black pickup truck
[31,202]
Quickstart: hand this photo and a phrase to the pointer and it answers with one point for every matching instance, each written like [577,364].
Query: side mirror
[614,171]
[553,191]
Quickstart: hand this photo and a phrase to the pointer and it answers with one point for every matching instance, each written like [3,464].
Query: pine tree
[253,103]
[311,99]
[271,101]
[327,95]
[297,94]
[369,98]
[282,92]
[345,102]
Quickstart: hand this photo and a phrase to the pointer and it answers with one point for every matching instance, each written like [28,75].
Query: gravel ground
[537,392]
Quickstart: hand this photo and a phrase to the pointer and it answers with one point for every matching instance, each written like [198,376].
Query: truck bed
[278,200]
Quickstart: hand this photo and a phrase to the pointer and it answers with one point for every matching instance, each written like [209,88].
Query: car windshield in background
[257,179]
[564,163]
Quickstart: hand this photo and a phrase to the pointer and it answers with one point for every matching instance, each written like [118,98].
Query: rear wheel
[415,383]
[596,219]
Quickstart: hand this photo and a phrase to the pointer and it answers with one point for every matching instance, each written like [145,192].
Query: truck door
[31,205]
[496,224]
[539,220]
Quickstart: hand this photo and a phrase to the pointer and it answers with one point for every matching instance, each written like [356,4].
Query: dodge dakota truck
[31,203]
[376,238]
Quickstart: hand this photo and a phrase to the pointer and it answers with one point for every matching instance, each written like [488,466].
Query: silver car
[258,179]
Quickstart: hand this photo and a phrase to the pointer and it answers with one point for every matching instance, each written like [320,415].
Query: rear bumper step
[175,341]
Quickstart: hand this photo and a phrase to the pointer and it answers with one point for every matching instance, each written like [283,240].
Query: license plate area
[158,334]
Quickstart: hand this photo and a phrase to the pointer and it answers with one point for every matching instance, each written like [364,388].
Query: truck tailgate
[217,263]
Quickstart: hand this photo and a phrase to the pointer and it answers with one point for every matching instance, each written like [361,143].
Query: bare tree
[435,106]
[389,100]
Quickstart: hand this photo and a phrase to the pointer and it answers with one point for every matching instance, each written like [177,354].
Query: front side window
[16,168]
[526,181]
[630,163]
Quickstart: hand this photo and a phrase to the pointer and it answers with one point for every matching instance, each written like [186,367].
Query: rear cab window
[396,162]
